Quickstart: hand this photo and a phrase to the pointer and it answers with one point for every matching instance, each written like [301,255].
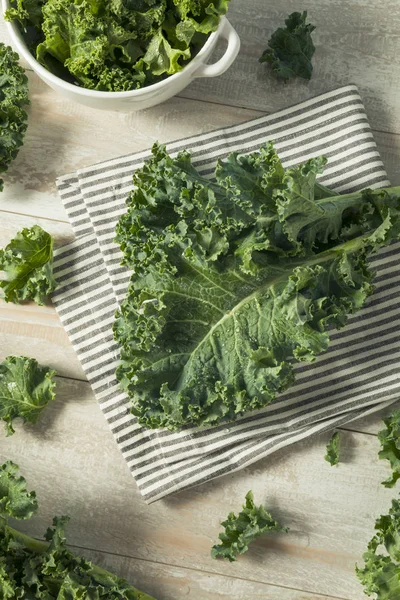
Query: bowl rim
[22,48]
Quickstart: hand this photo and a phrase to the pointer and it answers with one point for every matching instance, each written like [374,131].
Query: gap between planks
[177,515]
[21,214]
[22,323]
[210,573]
[349,429]
[256,112]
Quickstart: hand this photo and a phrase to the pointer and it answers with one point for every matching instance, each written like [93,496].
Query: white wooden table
[70,457]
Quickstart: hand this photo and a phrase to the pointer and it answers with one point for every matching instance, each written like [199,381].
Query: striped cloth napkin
[358,375]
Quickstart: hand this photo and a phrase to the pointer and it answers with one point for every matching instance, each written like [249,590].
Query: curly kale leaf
[250,524]
[390,442]
[15,500]
[47,570]
[13,97]
[234,278]
[332,450]
[290,50]
[381,572]
[25,390]
[118,45]
[198,17]
[27,262]
[27,12]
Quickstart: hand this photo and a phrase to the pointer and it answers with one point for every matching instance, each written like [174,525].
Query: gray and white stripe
[358,375]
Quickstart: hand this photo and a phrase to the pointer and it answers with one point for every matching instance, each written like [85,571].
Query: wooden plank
[166,582]
[20,197]
[357,42]
[63,137]
[72,461]
[11,223]
[49,345]
[36,330]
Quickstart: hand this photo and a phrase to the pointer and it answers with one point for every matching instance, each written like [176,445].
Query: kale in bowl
[116,45]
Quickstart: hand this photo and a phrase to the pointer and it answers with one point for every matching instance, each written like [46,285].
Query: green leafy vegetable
[32,569]
[27,262]
[236,277]
[15,500]
[332,450]
[390,441]
[290,50]
[25,389]
[118,45]
[13,97]
[381,572]
[250,524]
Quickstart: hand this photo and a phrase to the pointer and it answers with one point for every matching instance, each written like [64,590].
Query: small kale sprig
[25,390]
[290,50]
[27,263]
[250,524]
[332,450]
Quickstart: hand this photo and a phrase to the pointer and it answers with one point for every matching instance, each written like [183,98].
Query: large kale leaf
[13,98]
[47,570]
[25,390]
[118,45]
[290,50]
[27,263]
[381,572]
[250,524]
[235,278]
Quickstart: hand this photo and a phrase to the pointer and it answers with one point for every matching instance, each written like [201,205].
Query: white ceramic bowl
[144,97]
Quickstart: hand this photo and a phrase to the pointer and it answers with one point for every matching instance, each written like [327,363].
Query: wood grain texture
[173,583]
[11,223]
[50,346]
[30,329]
[62,137]
[71,460]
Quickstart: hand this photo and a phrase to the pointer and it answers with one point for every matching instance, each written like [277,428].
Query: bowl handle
[233,39]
